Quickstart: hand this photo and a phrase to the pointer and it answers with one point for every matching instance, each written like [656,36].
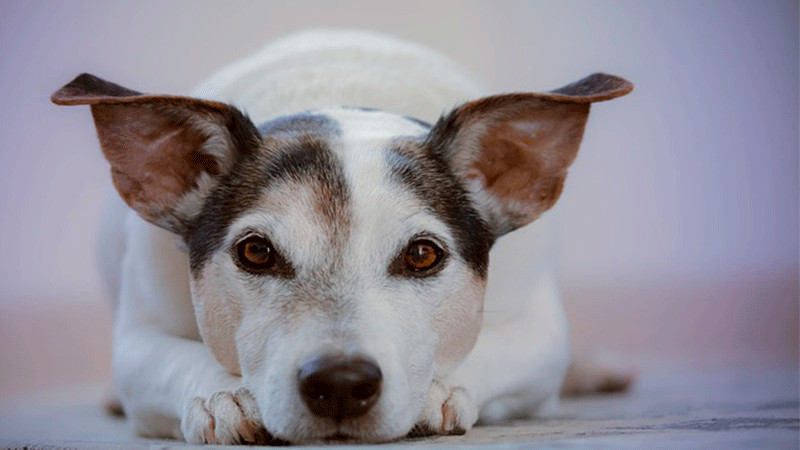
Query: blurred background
[680,216]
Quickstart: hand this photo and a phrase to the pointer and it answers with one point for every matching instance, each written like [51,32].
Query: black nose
[340,387]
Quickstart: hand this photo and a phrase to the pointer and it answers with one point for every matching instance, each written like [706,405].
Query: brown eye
[255,254]
[422,255]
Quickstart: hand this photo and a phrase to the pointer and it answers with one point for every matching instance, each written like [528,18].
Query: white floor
[736,408]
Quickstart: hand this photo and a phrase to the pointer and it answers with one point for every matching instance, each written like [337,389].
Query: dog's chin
[338,438]
[345,433]
[345,438]
[342,436]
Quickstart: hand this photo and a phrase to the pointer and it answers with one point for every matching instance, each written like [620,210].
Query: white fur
[318,69]
[162,368]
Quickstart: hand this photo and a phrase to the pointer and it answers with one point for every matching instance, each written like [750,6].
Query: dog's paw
[448,411]
[597,373]
[224,418]
[112,404]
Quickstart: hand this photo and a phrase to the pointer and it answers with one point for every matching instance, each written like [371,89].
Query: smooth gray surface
[698,409]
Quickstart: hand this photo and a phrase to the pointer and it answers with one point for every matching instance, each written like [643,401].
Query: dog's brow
[308,160]
[424,173]
[410,216]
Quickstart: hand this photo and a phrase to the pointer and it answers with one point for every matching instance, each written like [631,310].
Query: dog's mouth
[340,438]
[332,439]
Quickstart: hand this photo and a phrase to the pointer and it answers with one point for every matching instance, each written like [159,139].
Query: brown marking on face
[331,204]
[218,318]
[304,155]
[324,205]
[458,323]
[218,309]
[282,156]
[312,175]
[423,172]
[219,301]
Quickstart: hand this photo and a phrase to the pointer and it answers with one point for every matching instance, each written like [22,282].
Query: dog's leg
[173,387]
[592,373]
[169,382]
[517,364]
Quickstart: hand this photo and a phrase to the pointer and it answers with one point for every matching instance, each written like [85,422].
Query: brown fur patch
[458,323]
[422,170]
[523,157]
[289,153]
[218,317]
[155,159]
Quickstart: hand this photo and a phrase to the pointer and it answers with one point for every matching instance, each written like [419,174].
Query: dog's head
[339,257]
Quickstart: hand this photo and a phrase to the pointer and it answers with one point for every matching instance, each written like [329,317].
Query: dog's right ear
[513,150]
[166,152]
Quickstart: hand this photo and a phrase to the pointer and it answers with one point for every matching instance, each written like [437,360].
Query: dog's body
[335,241]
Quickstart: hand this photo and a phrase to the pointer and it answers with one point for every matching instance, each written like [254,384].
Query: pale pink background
[680,216]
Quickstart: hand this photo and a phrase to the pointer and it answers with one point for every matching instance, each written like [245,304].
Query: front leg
[519,361]
[169,383]
[173,387]
[515,368]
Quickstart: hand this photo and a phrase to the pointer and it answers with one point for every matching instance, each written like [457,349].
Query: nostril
[317,391]
[339,387]
[364,391]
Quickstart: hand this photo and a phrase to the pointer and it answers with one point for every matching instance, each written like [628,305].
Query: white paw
[448,410]
[224,418]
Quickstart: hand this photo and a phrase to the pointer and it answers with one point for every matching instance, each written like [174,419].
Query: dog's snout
[340,387]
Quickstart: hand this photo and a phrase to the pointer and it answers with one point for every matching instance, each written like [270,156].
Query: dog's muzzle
[339,387]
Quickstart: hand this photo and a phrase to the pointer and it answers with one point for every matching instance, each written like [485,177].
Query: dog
[316,270]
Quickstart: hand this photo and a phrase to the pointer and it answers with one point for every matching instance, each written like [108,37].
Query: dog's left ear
[513,151]
[166,152]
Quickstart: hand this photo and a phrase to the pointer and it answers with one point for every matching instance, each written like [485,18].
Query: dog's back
[324,69]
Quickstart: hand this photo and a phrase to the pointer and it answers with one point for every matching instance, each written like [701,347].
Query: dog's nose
[340,387]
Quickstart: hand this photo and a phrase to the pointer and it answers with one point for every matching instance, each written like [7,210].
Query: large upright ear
[166,152]
[513,150]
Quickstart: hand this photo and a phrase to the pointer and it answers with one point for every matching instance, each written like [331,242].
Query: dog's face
[353,243]
[339,257]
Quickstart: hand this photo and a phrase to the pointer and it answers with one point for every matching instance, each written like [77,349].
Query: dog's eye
[422,256]
[255,254]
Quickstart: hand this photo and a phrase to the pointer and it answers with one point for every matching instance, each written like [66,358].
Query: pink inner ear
[524,156]
[155,159]
[159,146]
[515,158]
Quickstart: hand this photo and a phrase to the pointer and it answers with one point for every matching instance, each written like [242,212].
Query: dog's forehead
[344,123]
[361,123]
[309,122]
